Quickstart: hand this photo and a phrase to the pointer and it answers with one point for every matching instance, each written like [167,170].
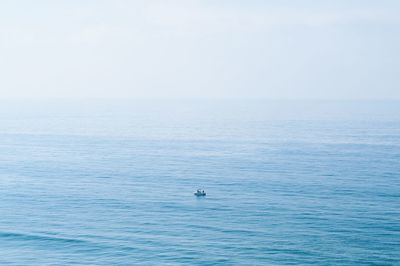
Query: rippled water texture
[112,184]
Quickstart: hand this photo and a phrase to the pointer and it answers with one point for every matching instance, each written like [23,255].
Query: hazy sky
[282,49]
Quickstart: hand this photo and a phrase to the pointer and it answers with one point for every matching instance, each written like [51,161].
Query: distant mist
[338,50]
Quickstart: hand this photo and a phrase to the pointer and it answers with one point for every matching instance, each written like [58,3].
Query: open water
[112,183]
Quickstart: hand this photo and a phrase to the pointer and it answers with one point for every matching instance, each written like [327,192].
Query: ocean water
[111,183]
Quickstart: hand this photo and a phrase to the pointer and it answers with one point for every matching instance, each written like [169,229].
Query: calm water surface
[113,183]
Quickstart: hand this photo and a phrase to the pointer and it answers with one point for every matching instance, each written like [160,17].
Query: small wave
[37,237]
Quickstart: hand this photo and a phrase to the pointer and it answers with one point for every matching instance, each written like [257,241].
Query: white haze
[200,49]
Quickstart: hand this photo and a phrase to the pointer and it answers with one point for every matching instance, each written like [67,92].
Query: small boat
[200,193]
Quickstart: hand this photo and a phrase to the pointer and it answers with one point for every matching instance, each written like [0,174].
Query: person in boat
[199,192]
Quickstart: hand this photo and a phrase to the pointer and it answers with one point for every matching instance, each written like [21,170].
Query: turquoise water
[112,183]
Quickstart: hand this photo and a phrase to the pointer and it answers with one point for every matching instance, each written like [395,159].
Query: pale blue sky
[200,48]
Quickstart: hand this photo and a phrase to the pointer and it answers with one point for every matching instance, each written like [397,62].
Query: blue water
[112,183]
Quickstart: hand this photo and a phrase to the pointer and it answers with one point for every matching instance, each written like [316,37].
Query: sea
[111,182]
